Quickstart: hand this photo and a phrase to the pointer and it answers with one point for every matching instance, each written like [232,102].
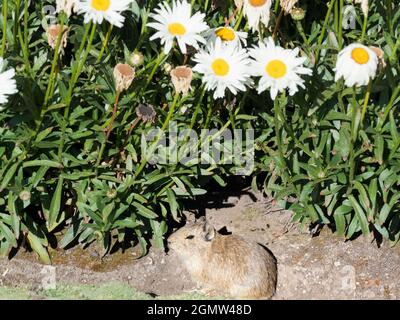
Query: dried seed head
[297,14]
[287,5]
[182,78]
[123,75]
[381,57]
[146,113]
[65,6]
[53,33]
[136,58]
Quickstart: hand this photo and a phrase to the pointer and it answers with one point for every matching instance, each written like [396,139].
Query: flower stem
[108,131]
[389,107]
[353,137]
[50,85]
[105,43]
[277,125]
[77,69]
[340,24]
[364,29]
[366,100]
[323,31]
[4,38]
[277,24]
[154,145]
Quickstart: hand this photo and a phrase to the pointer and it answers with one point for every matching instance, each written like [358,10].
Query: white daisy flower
[278,68]
[8,85]
[256,11]
[223,66]
[99,10]
[228,36]
[357,64]
[177,22]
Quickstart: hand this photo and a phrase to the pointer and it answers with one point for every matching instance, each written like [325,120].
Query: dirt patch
[322,267]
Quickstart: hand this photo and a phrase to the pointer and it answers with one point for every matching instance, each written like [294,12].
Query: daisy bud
[53,32]
[297,14]
[65,6]
[123,75]
[111,194]
[25,195]
[167,68]
[146,113]
[381,57]
[287,5]
[136,58]
[181,78]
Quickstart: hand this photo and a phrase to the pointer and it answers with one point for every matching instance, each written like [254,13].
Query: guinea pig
[227,264]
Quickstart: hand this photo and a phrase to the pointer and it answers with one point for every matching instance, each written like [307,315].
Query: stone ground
[309,267]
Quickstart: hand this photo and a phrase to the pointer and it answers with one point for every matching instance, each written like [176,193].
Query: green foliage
[339,167]
[64,181]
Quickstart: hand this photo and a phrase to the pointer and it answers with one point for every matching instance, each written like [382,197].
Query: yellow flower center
[225,34]
[360,55]
[176,29]
[101,5]
[257,3]
[276,69]
[220,67]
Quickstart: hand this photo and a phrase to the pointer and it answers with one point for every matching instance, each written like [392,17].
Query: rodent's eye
[190,237]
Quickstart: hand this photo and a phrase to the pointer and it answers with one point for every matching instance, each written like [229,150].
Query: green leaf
[143,211]
[37,246]
[43,163]
[362,219]
[173,204]
[7,233]
[9,175]
[55,206]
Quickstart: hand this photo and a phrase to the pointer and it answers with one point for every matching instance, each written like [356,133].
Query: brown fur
[238,268]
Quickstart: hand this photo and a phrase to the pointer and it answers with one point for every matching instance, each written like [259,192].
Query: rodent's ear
[209,232]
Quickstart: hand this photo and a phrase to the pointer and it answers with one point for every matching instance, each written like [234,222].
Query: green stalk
[366,100]
[16,22]
[340,24]
[277,125]
[50,86]
[389,107]
[239,20]
[165,125]
[197,109]
[276,8]
[108,132]
[4,38]
[353,137]
[323,31]
[364,29]
[23,39]
[105,43]
[77,69]
[302,33]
